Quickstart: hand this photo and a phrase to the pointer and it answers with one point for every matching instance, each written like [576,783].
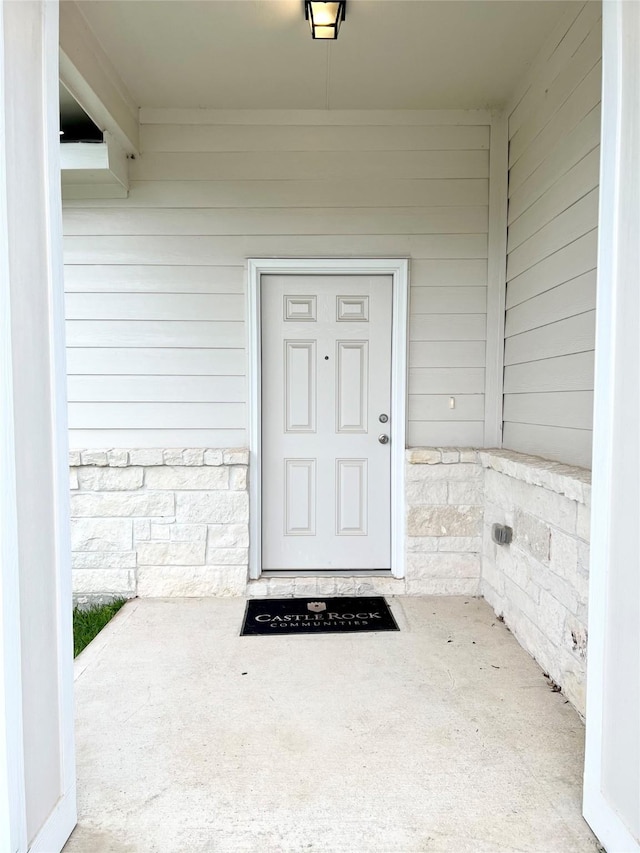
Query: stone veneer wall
[159,522]
[540,582]
[175,523]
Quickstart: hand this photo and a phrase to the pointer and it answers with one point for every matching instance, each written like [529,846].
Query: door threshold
[326,573]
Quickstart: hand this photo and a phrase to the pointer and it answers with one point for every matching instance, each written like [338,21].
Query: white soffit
[258,54]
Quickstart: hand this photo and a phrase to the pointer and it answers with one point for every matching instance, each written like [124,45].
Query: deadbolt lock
[383,419]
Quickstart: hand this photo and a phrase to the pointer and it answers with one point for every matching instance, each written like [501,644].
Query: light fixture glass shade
[325,17]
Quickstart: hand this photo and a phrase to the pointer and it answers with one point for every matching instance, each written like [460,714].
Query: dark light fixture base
[325,17]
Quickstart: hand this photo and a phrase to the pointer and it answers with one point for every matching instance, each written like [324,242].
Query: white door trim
[398,269]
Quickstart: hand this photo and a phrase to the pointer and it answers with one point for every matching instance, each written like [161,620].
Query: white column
[37,773]
[612,767]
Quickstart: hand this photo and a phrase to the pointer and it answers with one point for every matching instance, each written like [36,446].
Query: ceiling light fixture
[324,17]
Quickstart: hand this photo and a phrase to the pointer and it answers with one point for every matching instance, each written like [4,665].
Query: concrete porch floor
[444,737]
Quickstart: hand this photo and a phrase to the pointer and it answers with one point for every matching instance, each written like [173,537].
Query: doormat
[316,616]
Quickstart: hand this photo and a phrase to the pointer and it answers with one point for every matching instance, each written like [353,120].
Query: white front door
[326,400]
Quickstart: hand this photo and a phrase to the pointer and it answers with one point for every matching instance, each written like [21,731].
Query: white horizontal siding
[162,361]
[156,282]
[350,191]
[300,165]
[554,131]
[563,373]
[156,389]
[265,137]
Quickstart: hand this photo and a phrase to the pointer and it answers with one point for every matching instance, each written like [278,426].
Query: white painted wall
[554,133]
[156,282]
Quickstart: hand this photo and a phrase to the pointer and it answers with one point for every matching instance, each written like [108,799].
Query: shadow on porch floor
[444,737]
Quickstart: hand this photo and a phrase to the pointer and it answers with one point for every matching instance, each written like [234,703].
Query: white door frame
[398,269]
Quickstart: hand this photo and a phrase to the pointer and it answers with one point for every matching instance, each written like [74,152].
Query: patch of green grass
[87,623]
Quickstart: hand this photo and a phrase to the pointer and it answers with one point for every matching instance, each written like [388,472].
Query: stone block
[574,688]
[212,507]
[466,472]
[449,455]
[257,589]
[100,534]
[489,547]
[306,587]
[118,458]
[551,617]
[388,586]
[193,456]
[236,456]
[345,586]
[564,555]
[442,565]
[103,560]
[172,456]
[73,480]
[228,535]
[227,556]
[494,514]
[468,544]
[584,558]
[517,602]
[191,581]
[213,456]
[575,637]
[583,522]
[282,587]
[520,568]
[146,457]
[94,457]
[326,586]
[532,535]
[103,581]
[443,586]
[238,478]
[423,456]
[74,458]
[188,532]
[549,507]
[444,521]
[110,479]
[142,504]
[171,477]
[422,543]
[562,590]
[171,553]
[159,532]
[467,454]
[141,529]
[552,508]
[424,492]
[492,576]
[533,640]
[461,492]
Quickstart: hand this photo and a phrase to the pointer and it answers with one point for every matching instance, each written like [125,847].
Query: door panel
[326,379]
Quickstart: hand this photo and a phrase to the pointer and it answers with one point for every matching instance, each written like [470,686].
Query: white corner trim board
[496,280]
[398,269]
[612,759]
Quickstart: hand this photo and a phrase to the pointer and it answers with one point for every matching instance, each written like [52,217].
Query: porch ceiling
[258,54]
